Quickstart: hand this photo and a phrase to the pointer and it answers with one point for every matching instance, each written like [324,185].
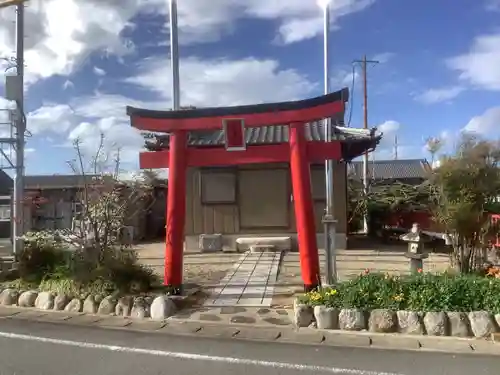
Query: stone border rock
[154,307]
[479,324]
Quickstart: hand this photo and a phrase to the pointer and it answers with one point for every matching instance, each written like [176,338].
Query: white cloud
[438,95]
[493,5]
[388,127]
[485,124]
[99,72]
[480,67]
[383,57]
[56,118]
[223,82]
[58,44]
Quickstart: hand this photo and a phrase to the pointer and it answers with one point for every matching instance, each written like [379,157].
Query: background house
[408,171]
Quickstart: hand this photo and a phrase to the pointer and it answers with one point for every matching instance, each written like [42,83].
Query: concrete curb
[278,334]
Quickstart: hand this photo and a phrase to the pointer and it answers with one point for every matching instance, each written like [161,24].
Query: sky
[86,60]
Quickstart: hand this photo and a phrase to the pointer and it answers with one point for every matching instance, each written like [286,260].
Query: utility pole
[20,120]
[174,55]
[396,147]
[364,65]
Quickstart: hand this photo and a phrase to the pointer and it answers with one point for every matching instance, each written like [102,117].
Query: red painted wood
[251,119]
[304,210]
[317,152]
[234,130]
[176,209]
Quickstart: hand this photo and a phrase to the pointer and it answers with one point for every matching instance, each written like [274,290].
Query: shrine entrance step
[278,243]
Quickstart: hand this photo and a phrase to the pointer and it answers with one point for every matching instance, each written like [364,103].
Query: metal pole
[174,55]
[365,126]
[18,227]
[329,221]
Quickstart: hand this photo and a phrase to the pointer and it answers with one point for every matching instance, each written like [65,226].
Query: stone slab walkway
[250,283]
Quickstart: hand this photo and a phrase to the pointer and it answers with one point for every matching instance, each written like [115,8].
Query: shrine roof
[297,105]
[314,131]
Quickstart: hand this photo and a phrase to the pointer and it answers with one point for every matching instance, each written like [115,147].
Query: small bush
[42,254]
[421,292]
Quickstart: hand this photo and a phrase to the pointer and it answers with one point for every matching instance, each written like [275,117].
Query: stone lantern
[416,252]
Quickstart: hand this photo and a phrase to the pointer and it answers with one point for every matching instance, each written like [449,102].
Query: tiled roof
[54,181]
[392,169]
[278,134]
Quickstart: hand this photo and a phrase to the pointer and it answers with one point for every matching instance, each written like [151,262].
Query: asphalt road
[44,348]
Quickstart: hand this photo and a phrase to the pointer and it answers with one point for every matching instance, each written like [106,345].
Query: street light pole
[329,218]
[174,55]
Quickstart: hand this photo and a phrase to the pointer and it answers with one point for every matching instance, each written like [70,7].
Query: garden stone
[410,322]
[352,320]
[124,306]
[90,305]
[75,305]
[107,306]
[45,301]
[459,324]
[436,323]
[9,297]
[140,309]
[382,321]
[326,317]
[61,301]
[303,315]
[162,308]
[497,319]
[27,299]
[481,323]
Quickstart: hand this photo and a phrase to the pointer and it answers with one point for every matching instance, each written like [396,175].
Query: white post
[174,55]
[329,219]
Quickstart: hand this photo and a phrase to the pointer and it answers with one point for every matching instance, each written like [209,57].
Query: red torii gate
[299,152]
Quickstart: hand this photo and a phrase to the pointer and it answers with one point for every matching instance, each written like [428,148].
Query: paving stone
[114,322]
[485,347]
[84,319]
[395,341]
[282,312]
[30,314]
[181,328]
[446,344]
[9,311]
[308,336]
[210,317]
[263,334]
[238,319]
[337,338]
[146,325]
[278,321]
[55,317]
[263,311]
[217,331]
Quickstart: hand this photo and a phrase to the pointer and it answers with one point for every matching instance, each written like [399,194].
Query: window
[5,212]
[218,187]
[77,209]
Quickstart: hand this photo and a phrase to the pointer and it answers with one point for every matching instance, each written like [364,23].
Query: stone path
[262,316]
[250,283]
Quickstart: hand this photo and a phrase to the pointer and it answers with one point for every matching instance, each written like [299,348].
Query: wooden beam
[317,152]
[9,3]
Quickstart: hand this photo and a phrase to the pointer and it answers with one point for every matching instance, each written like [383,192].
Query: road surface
[51,349]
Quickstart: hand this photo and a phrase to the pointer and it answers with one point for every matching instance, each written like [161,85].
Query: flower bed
[433,304]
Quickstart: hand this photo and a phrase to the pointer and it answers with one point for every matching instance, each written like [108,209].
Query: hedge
[421,292]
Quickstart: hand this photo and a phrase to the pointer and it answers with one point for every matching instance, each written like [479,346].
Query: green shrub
[421,292]
[43,254]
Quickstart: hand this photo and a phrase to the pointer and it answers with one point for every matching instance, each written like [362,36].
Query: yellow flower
[398,297]
[331,293]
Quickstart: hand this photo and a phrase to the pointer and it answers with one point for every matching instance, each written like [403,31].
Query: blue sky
[439,70]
